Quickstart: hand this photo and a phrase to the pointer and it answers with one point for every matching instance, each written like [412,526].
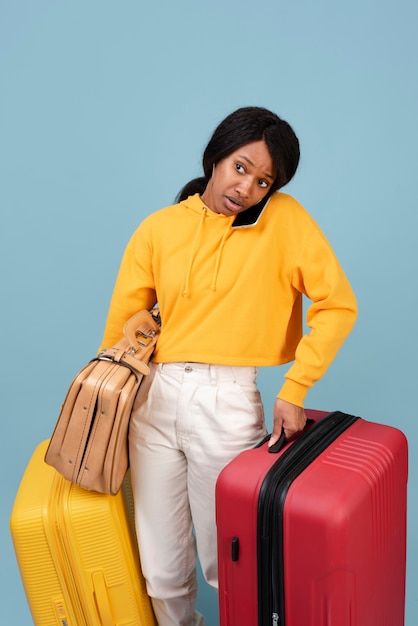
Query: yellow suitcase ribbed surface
[77,552]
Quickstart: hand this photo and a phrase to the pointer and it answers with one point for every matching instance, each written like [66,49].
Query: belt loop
[213,374]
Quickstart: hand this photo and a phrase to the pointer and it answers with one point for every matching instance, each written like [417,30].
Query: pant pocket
[251,396]
[242,407]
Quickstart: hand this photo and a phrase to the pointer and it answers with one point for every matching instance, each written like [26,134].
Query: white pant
[189,420]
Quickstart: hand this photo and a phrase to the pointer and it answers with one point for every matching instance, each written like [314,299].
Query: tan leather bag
[89,445]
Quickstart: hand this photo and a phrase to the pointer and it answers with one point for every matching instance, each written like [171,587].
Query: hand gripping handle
[276,447]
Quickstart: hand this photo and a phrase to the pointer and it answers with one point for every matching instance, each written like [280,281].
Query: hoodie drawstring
[186,290]
[218,259]
[193,253]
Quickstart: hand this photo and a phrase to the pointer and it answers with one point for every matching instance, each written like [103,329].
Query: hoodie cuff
[293,392]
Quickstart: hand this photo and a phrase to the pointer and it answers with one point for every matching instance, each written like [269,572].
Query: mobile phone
[251,216]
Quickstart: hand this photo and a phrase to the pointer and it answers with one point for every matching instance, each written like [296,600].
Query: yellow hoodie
[233,296]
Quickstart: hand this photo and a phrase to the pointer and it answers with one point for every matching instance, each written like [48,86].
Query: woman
[228,265]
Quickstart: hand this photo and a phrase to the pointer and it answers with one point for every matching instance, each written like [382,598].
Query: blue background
[105,108]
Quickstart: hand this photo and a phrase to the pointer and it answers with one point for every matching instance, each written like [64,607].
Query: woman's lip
[233,204]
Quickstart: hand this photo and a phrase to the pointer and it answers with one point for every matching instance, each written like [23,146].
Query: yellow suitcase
[77,552]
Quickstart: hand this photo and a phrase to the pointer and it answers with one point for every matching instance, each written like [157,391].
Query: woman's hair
[244,126]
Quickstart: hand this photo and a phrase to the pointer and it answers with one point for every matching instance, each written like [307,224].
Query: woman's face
[240,180]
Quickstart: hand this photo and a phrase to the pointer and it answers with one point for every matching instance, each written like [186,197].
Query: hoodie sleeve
[332,313]
[134,288]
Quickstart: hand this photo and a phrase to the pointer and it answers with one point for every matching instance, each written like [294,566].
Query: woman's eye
[239,167]
[263,183]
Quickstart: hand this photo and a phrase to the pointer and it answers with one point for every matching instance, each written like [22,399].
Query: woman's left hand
[289,417]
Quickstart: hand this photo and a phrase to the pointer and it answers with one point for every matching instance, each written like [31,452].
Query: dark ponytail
[244,126]
[197,185]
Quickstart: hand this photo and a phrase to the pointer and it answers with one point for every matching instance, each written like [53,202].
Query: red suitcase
[315,535]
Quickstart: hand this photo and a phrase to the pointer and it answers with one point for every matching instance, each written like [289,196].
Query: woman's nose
[243,187]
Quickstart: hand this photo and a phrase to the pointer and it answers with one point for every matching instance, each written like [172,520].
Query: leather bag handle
[141,329]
